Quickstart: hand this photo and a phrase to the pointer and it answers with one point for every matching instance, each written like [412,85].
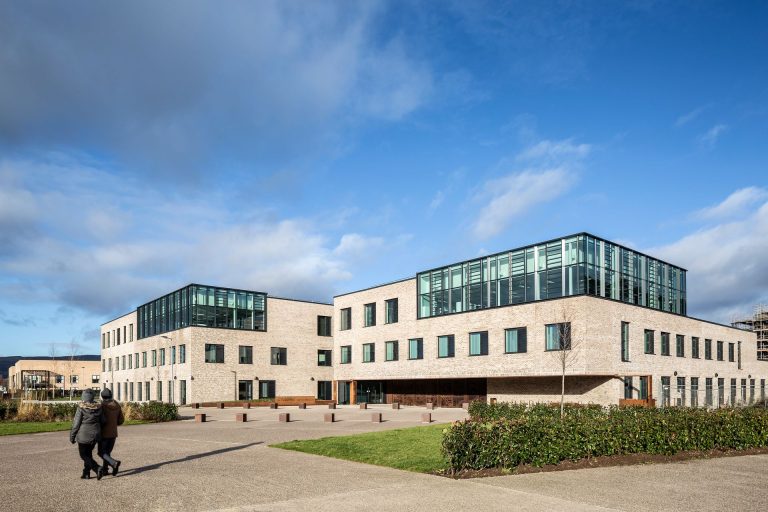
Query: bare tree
[55,367]
[563,347]
[73,346]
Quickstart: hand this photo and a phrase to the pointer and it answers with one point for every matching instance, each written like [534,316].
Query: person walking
[86,432]
[113,416]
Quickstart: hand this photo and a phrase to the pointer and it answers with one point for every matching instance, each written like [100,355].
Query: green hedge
[509,435]
[8,409]
[152,411]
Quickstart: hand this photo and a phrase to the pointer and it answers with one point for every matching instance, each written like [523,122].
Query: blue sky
[311,149]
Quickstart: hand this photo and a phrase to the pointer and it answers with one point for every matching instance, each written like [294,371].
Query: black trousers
[105,451]
[86,453]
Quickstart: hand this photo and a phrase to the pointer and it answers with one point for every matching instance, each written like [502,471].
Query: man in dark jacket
[86,431]
[113,416]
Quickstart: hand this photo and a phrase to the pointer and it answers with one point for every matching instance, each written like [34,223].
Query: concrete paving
[224,465]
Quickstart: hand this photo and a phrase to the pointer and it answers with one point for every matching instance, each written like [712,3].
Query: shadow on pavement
[135,471]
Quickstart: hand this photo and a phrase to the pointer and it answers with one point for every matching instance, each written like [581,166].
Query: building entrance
[245,390]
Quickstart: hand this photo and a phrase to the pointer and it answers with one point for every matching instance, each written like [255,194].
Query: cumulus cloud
[726,262]
[173,87]
[735,203]
[550,171]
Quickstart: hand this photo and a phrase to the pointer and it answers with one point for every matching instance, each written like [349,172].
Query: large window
[266,389]
[478,343]
[625,341]
[558,336]
[680,345]
[346,354]
[369,314]
[154,358]
[324,358]
[245,354]
[416,348]
[324,326]
[719,350]
[707,349]
[369,352]
[279,356]
[650,342]
[445,346]
[182,354]
[515,340]
[731,353]
[390,311]
[143,359]
[203,306]
[694,347]
[162,357]
[214,353]
[665,344]
[391,350]
[324,390]
[346,319]
[578,265]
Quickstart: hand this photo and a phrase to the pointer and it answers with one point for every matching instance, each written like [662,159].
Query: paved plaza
[224,465]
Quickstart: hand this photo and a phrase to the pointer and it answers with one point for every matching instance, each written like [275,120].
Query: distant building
[758,323]
[59,375]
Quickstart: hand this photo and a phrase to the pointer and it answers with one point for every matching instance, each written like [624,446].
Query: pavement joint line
[196,440]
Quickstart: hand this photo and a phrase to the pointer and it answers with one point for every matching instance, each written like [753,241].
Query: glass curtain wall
[204,306]
[576,265]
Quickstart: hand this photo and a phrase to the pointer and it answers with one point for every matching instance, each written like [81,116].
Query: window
[680,345]
[445,346]
[103,365]
[751,391]
[173,355]
[515,340]
[279,356]
[143,359]
[131,394]
[391,350]
[707,349]
[324,390]
[694,347]
[694,392]
[119,390]
[625,341]
[720,391]
[762,389]
[162,357]
[103,340]
[146,389]
[628,388]
[159,391]
[416,348]
[708,392]
[139,387]
[109,364]
[346,354]
[136,360]
[214,353]
[743,390]
[95,378]
[59,379]
[246,354]
[346,319]
[154,358]
[558,336]
[719,350]
[390,311]
[731,353]
[182,354]
[478,343]
[665,391]
[665,343]
[650,343]
[369,314]
[369,352]
[118,336]
[73,379]
[130,330]
[266,389]
[324,325]
[681,391]
[642,392]
[324,358]
[130,362]
[733,391]
[739,355]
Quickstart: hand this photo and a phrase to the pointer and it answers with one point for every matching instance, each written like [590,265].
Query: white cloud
[352,244]
[710,138]
[437,200]
[735,203]
[558,150]
[727,264]
[690,116]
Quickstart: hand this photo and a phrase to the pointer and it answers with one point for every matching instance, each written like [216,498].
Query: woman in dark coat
[86,431]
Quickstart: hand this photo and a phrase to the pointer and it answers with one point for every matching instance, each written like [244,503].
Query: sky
[308,149]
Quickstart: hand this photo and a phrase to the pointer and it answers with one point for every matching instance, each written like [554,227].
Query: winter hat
[106,394]
[87,395]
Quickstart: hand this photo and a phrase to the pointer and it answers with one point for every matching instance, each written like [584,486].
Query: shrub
[150,411]
[8,409]
[507,435]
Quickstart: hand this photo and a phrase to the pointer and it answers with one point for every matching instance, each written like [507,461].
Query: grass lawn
[8,428]
[412,449]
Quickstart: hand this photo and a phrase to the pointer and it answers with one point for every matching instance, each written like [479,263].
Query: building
[759,324]
[203,343]
[505,326]
[493,328]
[59,375]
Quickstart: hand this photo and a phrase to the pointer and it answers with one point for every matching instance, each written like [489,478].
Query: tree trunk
[562,393]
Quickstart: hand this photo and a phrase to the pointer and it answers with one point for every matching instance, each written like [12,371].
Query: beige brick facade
[62,374]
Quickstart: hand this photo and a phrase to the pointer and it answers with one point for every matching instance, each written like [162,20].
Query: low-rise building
[54,375]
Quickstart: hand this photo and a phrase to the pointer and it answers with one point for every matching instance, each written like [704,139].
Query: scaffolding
[759,324]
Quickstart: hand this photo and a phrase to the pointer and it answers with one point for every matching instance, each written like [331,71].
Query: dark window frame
[278,356]
[390,312]
[451,346]
[483,343]
[395,351]
[521,342]
[248,354]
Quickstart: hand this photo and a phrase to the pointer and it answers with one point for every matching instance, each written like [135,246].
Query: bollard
[200,418]
[285,417]
[273,405]
[247,405]
[220,405]
[396,405]
[465,406]
[426,417]
[241,417]
[430,406]
[332,405]
[196,406]
[363,405]
[330,417]
[302,405]
[376,417]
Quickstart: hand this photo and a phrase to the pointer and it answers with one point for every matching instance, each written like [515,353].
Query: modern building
[58,375]
[203,343]
[758,323]
[505,326]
